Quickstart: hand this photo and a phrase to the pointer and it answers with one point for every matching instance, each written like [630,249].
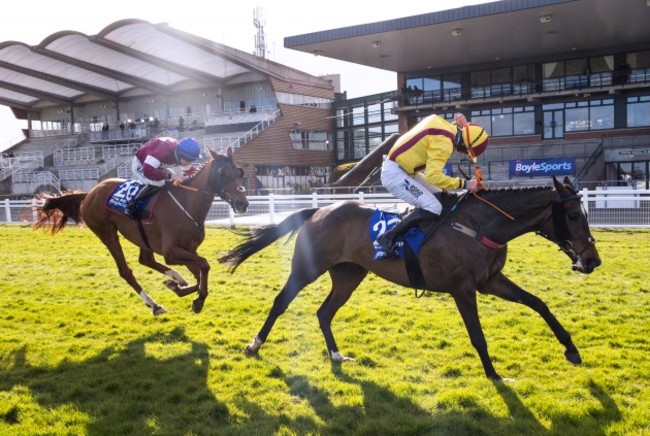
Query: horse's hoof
[172,285]
[250,350]
[197,305]
[158,310]
[337,357]
[573,357]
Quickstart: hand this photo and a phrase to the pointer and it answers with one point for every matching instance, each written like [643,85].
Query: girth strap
[489,243]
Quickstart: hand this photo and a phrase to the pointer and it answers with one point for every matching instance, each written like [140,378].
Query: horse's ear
[213,153]
[567,181]
[565,189]
[229,151]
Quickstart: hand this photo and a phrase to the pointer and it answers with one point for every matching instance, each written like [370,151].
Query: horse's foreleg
[148,259]
[345,279]
[501,286]
[466,303]
[112,242]
[280,304]
[194,262]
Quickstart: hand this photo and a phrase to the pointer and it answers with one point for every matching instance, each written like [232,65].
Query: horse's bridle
[563,237]
[216,173]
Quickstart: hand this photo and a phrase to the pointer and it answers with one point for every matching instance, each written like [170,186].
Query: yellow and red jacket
[428,146]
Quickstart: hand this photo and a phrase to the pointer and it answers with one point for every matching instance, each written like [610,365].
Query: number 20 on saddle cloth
[382,221]
[118,200]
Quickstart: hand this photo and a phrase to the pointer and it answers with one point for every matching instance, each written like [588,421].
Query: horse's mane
[516,190]
[198,169]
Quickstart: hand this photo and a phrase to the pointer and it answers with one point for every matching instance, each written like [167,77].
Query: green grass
[81,354]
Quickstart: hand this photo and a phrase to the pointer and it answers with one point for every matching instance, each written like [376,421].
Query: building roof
[126,59]
[486,33]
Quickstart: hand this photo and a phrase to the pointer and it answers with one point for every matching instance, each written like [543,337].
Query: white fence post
[314,199]
[271,208]
[231,215]
[7,210]
[585,200]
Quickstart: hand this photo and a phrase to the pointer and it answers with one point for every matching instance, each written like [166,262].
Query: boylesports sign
[564,166]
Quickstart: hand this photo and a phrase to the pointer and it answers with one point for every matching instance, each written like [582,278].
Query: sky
[229,23]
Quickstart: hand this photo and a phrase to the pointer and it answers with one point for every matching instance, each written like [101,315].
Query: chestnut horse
[466,252]
[174,231]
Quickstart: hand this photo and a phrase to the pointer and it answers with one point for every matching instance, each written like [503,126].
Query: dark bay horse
[465,254]
[175,230]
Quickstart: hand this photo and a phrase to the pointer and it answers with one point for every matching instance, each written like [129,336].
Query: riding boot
[388,239]
[131,209]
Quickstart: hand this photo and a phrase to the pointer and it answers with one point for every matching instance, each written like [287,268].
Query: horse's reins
[220,192]
[564,237]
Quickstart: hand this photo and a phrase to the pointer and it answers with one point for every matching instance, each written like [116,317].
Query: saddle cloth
[124,192]
[382,221]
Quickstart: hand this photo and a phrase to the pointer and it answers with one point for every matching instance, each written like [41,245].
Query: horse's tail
[56,211]
[261,237]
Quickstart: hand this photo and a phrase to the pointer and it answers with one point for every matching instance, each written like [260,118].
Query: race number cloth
[382,221]
[124,192]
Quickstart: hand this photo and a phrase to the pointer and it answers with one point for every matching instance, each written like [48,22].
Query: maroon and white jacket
[157,152]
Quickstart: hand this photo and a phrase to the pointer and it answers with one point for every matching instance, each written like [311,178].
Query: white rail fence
[606,208]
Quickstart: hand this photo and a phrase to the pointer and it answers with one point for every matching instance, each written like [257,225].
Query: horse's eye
[574,215]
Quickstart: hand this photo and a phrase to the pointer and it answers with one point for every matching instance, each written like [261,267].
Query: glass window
[520,80]
[374,113]
[501,125]
[432,89]
[358,116]
[480,81]
[340,117]
[451,86]
[524,123]
[501,75]
[577,119]
[341,146]
[359,143]
[638,111]
[388,111]
[309,140]
[601,117]
[389,129]
[553,76]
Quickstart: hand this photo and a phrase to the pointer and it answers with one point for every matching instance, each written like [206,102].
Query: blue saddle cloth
[382,221]
[122,195]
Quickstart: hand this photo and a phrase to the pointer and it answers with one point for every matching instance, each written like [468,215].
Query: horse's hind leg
[112,242]
[294,285]
[148,259]
[501,286]
[345,279]
[466,303]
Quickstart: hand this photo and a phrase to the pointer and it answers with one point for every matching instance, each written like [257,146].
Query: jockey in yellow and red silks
[414,167]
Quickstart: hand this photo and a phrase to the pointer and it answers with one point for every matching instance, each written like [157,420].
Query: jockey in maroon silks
[150,160]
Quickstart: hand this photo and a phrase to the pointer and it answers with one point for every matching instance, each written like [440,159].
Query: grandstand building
[90,100]
[562,86]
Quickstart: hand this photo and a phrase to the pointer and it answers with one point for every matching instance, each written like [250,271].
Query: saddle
[119,198]
[407,246]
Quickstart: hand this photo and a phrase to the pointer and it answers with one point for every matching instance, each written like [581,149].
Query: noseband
[219,179]
[563,237]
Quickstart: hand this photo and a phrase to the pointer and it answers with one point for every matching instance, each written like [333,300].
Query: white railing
[221,143]
[70,156]
[625,208]
[13,165]
[79,174]
[44,178]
